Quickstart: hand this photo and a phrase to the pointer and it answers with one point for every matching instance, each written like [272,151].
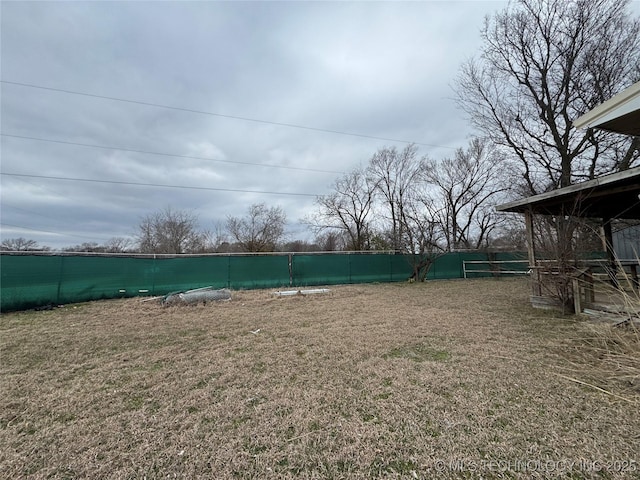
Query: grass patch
[418,353]
[371,381]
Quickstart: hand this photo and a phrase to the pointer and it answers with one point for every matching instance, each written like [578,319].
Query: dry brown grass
[366,381]
[611,351]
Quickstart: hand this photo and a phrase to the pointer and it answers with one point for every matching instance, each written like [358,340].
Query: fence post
[390,266]
[60,279]
[153,275]
[291,269]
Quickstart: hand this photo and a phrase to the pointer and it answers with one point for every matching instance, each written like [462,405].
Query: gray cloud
[378,69]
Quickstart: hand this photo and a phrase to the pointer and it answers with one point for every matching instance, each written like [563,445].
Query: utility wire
[24,137]
[160,185]
[202,112]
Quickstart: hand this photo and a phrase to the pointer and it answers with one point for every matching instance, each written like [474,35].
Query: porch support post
[611,255]
[531,250]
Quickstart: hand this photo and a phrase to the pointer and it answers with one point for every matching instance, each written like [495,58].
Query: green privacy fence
[31,280]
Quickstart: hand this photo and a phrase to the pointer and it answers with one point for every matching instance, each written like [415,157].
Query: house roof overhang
[620,114]
[611,196]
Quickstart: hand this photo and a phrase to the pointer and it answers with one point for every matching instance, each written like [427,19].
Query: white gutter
[621,104]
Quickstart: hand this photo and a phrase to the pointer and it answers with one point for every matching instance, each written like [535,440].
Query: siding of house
[626,243]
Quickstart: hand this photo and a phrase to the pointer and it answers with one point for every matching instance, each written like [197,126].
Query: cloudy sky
[86,86]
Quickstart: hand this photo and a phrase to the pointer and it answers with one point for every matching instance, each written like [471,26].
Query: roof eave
[591,118]
[522,205]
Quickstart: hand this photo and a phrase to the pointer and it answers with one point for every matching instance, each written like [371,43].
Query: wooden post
[603,237]
[577,298]
[634,277]
[590,295]
[611,255]
[531,250]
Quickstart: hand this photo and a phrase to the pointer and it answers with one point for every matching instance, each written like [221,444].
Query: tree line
[400,201]
[172,231]
[540,65]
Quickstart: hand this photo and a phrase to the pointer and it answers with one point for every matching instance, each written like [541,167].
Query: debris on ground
[199,295]
[287,293]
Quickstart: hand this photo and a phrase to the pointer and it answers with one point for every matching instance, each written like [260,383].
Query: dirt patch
[454,378]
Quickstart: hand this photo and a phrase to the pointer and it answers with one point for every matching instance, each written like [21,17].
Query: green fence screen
[31,280]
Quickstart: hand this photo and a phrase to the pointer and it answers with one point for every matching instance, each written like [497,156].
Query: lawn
[447,378]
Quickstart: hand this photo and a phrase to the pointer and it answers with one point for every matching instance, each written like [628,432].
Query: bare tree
[330,241]
[113,245]
[465,190]
[219,239]
[405,221]
[261,230]
[300,246]
[422,235]
[542,64]
[21,244]
[171,231]
[512,234]
[347,209]
[118,245]
[397,175]
[93,247]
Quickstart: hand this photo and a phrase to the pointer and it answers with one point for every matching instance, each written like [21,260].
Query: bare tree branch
[170,231]
[261,230]
[542,64]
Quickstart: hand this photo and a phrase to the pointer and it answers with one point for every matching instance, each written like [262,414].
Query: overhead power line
[104,147]
[221,115]
[157,185]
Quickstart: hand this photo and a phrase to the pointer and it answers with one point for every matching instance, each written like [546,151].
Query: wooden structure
[615,196]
